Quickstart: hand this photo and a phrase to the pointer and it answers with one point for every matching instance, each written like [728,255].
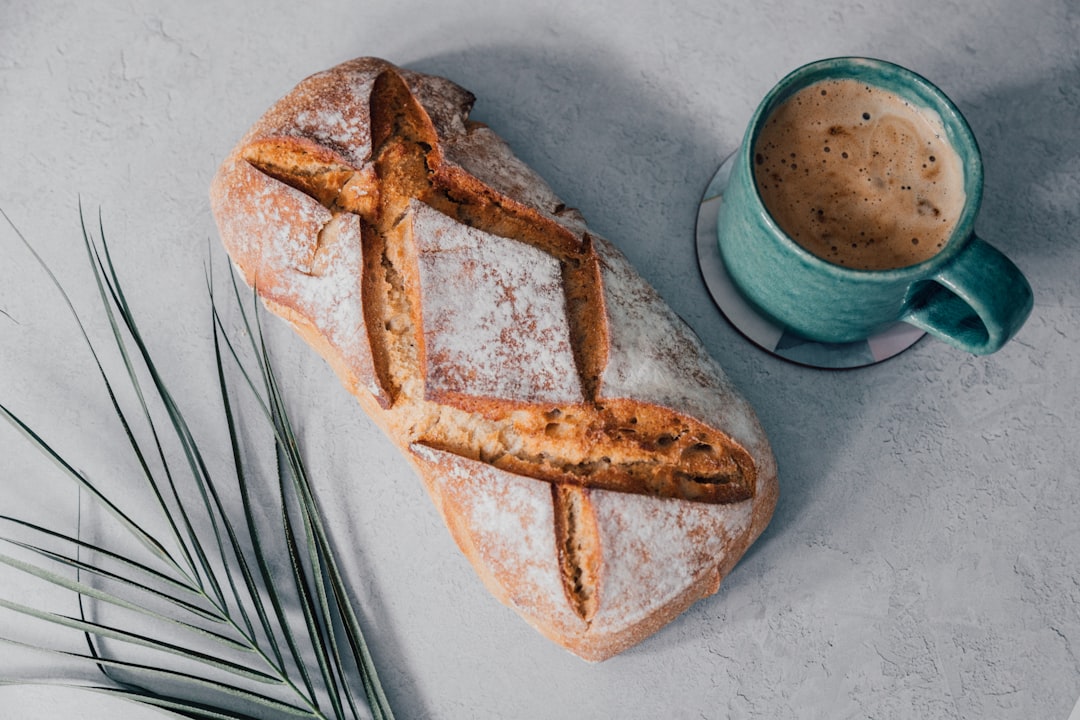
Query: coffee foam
[859,176]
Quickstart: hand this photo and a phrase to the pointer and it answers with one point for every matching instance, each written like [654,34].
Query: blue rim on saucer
[763,331]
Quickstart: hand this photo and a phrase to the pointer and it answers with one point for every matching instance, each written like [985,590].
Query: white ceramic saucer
[763,331]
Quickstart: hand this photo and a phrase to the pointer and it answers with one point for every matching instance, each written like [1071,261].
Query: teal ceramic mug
[964,291]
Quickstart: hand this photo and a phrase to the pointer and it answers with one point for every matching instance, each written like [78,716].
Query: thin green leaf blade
[83,566]
[113,633]
[193,682]
[139,568]
[148,540]
[113,599]
[262,563]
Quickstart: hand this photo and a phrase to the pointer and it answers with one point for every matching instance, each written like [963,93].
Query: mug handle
[976,302]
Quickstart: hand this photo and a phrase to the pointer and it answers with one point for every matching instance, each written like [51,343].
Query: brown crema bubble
[901,179]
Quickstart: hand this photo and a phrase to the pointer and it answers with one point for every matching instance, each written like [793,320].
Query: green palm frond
[247,621]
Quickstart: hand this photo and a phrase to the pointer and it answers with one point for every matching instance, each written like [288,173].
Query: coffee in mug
[850,206]
[859,176]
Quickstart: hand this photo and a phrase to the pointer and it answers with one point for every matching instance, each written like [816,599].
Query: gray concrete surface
[923,560]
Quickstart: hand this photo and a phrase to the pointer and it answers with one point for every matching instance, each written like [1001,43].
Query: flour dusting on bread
[590,459]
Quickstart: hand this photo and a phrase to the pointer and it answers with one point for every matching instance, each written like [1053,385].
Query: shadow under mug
[968,294]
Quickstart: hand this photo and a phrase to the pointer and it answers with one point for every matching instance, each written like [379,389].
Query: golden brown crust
[588,457]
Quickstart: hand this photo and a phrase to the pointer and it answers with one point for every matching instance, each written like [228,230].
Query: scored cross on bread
[537,383]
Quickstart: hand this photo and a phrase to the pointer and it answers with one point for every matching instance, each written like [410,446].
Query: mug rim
[952,119]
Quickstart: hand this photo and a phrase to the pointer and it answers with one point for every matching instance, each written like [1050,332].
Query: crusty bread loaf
[588,457]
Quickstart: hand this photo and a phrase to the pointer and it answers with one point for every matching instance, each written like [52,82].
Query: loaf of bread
[588,457]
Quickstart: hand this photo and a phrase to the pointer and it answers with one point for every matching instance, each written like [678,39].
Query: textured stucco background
[923,560]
